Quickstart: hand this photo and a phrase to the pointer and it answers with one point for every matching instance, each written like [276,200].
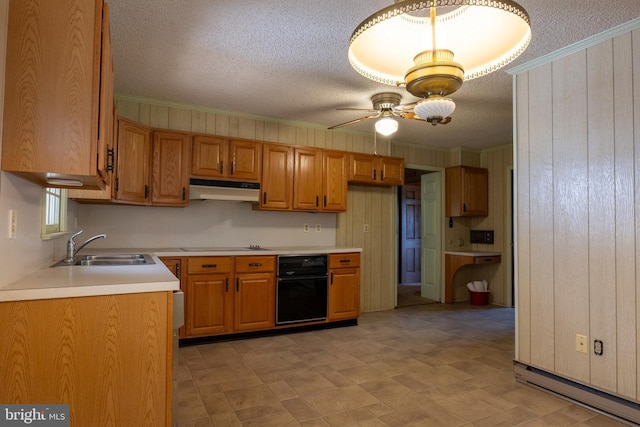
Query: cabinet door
[307,179]
[334,181]
[277,177]
[362,168]
[209,157]
[466,191]
[209,305]
[391,170]
[475,192]
[52,87]
[132,173]
[254,302]
[246,160]
[170,169]
[105,120]
[344,293]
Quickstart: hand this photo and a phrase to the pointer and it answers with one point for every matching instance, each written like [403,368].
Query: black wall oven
[301,289]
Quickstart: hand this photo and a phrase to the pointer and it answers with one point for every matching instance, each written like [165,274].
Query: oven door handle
[291,278]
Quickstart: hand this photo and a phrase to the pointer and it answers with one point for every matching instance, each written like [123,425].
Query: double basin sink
[110,260]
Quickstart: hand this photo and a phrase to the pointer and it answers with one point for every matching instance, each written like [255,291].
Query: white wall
[202,223]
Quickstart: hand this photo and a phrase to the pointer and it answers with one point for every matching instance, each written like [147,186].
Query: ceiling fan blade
[361,119]
[410,115]
[405,107]
[357,109]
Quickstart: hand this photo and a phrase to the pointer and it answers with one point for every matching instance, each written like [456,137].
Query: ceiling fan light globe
[434,107]
[386,126]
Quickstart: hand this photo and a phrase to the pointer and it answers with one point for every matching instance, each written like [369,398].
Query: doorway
[419,241]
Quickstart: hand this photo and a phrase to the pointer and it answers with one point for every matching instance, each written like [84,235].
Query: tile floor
[425,365]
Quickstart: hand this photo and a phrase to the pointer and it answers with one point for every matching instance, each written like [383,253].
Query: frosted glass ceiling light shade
[386,126]
[415,40]
[435,109]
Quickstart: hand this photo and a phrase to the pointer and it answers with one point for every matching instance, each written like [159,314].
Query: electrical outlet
[13,223]
[318,228]
[581,343]
[306,228]
[598,347]
[366,228]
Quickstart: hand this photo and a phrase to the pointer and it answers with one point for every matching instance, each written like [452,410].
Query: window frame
[57,228]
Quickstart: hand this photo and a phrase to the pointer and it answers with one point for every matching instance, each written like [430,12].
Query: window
[54,215]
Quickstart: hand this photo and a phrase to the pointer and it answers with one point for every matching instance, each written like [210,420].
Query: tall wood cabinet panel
[277,177]
[221,158]
[176,266]
[467,191]
[170,168]
[52,130]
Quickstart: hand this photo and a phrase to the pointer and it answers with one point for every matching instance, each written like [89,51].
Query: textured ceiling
[287,60]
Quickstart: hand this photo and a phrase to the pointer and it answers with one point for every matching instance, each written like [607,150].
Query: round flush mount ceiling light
[412,43]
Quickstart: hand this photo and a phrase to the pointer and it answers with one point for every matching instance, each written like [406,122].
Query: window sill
[53,236]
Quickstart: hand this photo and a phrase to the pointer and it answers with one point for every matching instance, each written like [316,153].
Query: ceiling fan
[386,105]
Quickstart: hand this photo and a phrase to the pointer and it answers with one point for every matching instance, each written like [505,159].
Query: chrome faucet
[71,246]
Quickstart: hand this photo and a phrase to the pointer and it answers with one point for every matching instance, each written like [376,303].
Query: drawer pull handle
[345,260]
[255,264]
[209,265]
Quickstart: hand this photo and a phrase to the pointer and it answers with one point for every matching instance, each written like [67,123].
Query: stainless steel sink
[110,259]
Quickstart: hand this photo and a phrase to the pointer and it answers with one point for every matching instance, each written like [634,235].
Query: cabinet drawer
[344,260]
[206,264]
[486,259]
[254,264]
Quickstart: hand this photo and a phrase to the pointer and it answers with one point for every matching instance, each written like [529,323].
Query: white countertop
[82,281]
[472,253]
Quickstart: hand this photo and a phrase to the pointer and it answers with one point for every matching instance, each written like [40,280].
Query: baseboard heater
[621,409]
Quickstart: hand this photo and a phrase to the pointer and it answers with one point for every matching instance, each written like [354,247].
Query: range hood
[214,189]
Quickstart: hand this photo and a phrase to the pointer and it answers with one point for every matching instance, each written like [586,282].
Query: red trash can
[479,298]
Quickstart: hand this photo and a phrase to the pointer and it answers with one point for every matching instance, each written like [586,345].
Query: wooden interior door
[411,235]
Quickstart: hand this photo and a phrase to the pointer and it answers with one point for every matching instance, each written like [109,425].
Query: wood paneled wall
[578,210]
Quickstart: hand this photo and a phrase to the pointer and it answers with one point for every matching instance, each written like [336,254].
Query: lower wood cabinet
[107,357]
[255,294]
[225,294]
[344,286]
[229,294]
[208,296]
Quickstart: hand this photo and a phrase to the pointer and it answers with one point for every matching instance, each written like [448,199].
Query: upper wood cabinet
[307,179]
[222,158]
[374,169]
[277,177]
[170,168]
[151,173]
[58,92]
[131,182]
[320,180]
[466,191]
